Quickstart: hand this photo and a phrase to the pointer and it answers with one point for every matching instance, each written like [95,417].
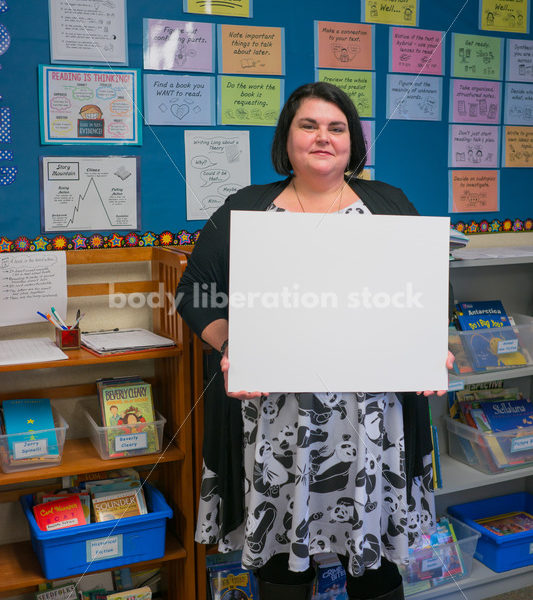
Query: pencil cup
[68,339]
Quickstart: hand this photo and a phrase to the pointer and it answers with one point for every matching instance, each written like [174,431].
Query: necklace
[341,189]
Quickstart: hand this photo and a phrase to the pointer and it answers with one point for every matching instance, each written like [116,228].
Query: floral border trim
[184,238]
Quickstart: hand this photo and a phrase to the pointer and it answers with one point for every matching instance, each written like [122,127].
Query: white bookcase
[511,281]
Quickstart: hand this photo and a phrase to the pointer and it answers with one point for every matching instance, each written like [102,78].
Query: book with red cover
[66,511]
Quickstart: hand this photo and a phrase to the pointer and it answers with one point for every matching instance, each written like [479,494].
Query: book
[508,523]
[142,593]
[493,343]
[29,425]
[118,505]
[66,511]
[66,592]
[330,578]
[232,581]
[455,345]
[128,412]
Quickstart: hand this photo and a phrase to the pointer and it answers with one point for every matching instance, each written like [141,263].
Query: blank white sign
[337,303]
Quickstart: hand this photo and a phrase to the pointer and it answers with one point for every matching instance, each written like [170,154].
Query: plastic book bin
[122,441]
[490,452]
[499,552]
[9,463]
[441,563]
[101,546]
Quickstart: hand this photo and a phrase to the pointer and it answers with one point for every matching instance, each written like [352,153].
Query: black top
[209,264]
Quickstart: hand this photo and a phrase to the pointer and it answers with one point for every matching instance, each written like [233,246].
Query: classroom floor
[523,594]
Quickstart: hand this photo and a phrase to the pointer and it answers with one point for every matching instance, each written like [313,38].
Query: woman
[317,472]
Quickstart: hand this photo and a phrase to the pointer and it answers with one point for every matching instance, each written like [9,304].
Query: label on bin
[30,448]
[506,346]
[102,548]
[522,443]
[132,441]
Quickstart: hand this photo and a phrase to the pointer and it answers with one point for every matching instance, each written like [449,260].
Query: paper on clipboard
[124,340]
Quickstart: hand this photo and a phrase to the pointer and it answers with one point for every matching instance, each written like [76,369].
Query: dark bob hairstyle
[329,93]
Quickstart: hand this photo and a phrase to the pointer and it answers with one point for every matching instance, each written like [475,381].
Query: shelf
[492,375]
[482,583]
[83,357]
[80,456]
[20,567]
[458,476]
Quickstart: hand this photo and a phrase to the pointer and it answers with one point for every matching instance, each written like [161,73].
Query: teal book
[33,421]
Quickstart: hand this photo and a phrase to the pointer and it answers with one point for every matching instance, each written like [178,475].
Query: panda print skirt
[324,473]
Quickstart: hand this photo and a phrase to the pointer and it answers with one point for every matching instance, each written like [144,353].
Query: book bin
[100,546]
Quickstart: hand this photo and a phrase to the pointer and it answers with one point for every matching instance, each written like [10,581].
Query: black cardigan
[209,263]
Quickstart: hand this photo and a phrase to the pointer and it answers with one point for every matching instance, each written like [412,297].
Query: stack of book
[504,417]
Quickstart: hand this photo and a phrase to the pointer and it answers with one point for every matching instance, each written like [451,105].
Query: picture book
[330,580]
[29,424]
[66,592]
[66,511]
[118,505]
[128,413]
[509,414]
[142,593]
[507,524]
[492,343]
[232,581]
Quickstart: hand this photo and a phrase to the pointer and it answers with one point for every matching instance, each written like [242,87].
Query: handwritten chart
[249,100]
[343,45]
[179,100]
[475,101]
[414,97]
[251,50]
[476,56]
[474,146]
[89,193]
[474,191]
[89,106]
[217,164]
[178,45]
[518,149]
[519,60]
[417,51]
[359,85]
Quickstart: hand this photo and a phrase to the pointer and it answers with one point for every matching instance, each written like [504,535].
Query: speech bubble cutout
[211,176]
[228,188]
[202,162]
[210,201]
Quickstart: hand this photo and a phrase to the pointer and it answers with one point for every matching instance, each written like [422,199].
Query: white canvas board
[333,303]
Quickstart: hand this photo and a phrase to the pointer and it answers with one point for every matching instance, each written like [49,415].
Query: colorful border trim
[185,238]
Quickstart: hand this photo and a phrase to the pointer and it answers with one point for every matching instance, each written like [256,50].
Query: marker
[45,317]
[59,319]
[79,317]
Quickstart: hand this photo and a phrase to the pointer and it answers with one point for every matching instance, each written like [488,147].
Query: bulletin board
[408,153]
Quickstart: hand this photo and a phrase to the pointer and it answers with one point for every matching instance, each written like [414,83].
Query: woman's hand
[449,365]
[224,366]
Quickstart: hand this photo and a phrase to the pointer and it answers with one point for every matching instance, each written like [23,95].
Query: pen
[79,317]
[59,319]
[45,317]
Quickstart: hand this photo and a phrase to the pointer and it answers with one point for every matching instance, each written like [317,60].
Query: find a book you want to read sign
[153,166]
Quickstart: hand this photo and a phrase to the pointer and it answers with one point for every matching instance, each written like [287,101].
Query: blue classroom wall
[412,155]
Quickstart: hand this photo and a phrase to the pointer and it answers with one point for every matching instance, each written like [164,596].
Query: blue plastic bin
[99,546]
[499,552]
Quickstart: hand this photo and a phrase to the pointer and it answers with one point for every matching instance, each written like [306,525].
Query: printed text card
[417,51]
[368,128]
[476,56]
[519,60]
[390,12]
[249,100]
[474,146]
[518,150]
[507,15]
[235,8]
[412,97]
[251,50]
[179,100]
[343,46]
[359,85]
[392,307]
[474,191]
[474,101]
[518,104]
[178,45]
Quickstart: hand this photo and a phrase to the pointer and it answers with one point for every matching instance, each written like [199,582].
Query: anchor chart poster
[89,193]
[89,105]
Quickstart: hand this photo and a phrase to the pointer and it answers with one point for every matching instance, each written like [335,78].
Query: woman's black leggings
[373,582]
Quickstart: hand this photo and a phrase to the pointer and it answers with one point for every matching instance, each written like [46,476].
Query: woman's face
[319,139]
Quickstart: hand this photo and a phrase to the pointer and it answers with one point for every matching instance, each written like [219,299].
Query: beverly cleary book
[128,414]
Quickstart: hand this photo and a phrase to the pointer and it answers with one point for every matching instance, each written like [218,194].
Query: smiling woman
[342,459]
